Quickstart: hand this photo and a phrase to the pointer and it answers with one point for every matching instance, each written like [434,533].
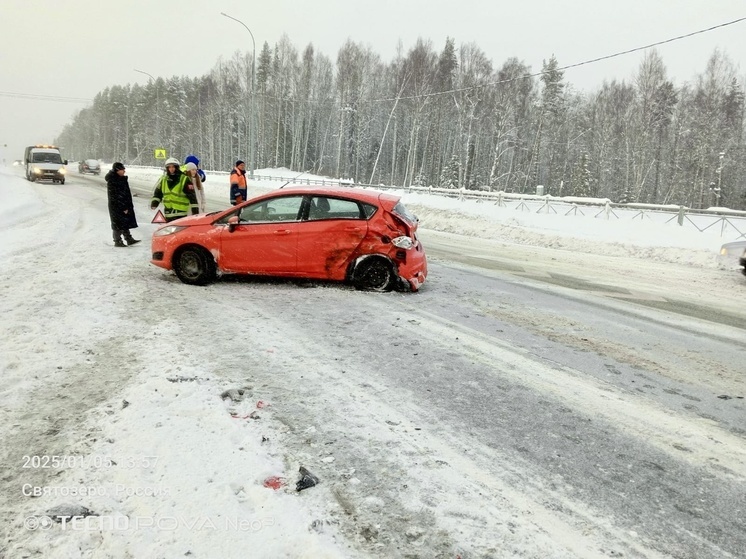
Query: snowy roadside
[110,359]
[128,385]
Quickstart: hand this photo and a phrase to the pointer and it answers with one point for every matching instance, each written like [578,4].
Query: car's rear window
[402,211]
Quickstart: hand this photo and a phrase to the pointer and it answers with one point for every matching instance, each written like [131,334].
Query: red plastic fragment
[274,482]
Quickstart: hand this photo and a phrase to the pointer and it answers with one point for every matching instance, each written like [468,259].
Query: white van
[44,163]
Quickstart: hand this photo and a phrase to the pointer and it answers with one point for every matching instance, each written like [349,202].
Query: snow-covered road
[529,401]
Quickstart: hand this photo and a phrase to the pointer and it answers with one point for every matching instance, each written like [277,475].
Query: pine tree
[449,177]
[581,181]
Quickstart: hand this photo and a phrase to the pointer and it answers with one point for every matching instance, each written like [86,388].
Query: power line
[591,61]
[44,97]
[654,44]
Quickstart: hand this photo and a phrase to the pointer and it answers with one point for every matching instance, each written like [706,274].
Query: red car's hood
[192,220]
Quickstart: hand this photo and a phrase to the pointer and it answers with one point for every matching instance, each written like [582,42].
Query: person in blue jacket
[195,160]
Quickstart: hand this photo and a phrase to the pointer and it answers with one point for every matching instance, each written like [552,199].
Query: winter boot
[131,240]
[119,243]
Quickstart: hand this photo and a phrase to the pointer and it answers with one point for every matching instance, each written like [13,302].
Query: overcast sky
[76,48]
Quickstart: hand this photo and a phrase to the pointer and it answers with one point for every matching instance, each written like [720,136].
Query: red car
[362,237]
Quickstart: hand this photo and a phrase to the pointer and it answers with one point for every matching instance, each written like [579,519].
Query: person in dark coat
[121,209]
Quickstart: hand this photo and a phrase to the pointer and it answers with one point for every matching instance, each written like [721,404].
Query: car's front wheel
[374,274]
[195,266]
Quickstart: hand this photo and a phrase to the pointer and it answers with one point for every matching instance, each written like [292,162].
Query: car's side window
[333,208]
[284,208]
[368,210]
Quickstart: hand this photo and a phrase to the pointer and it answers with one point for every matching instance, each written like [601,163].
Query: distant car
[17,163]
[361,237]
[44,163]
[742,262]
[89,166]
[731,252]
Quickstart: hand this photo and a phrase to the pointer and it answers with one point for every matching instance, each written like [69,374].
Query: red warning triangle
[159,217]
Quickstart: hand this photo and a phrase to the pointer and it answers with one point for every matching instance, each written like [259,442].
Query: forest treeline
[449,118]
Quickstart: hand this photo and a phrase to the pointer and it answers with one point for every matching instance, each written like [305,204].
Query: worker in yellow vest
[176,191]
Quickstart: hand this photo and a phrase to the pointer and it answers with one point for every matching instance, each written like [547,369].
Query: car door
[330,236]
[265,240]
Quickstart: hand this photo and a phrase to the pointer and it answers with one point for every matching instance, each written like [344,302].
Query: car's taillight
[403,242]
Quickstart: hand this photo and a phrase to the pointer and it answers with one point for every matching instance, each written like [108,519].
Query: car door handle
[352,228]
[283,232]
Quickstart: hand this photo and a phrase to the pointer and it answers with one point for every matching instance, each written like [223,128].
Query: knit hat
[190,166]
[118,166]
[192,159]
[238,162]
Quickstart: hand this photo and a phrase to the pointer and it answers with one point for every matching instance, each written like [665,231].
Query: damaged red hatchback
[362,237]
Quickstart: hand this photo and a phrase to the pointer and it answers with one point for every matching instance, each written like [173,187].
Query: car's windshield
[47,157]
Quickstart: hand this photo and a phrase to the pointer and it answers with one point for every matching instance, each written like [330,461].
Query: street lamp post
[720,178]
[127,133]
[715,188]
[253,72]
[157,108]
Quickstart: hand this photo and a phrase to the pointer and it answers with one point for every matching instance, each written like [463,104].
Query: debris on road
[307,480]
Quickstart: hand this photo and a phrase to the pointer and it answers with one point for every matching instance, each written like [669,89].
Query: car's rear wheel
[194,266]
[374,274]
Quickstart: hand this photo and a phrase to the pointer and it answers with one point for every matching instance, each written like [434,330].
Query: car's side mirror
[65,163]
[232,223]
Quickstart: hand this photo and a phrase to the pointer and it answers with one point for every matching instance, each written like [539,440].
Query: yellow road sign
[160,153]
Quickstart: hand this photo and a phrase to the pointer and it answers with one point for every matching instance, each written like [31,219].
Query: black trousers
[117,234]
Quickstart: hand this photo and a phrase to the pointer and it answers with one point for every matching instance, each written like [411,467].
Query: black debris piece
[307,480]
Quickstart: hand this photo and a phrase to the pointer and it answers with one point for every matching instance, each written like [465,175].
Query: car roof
[734,244]
[361,194]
